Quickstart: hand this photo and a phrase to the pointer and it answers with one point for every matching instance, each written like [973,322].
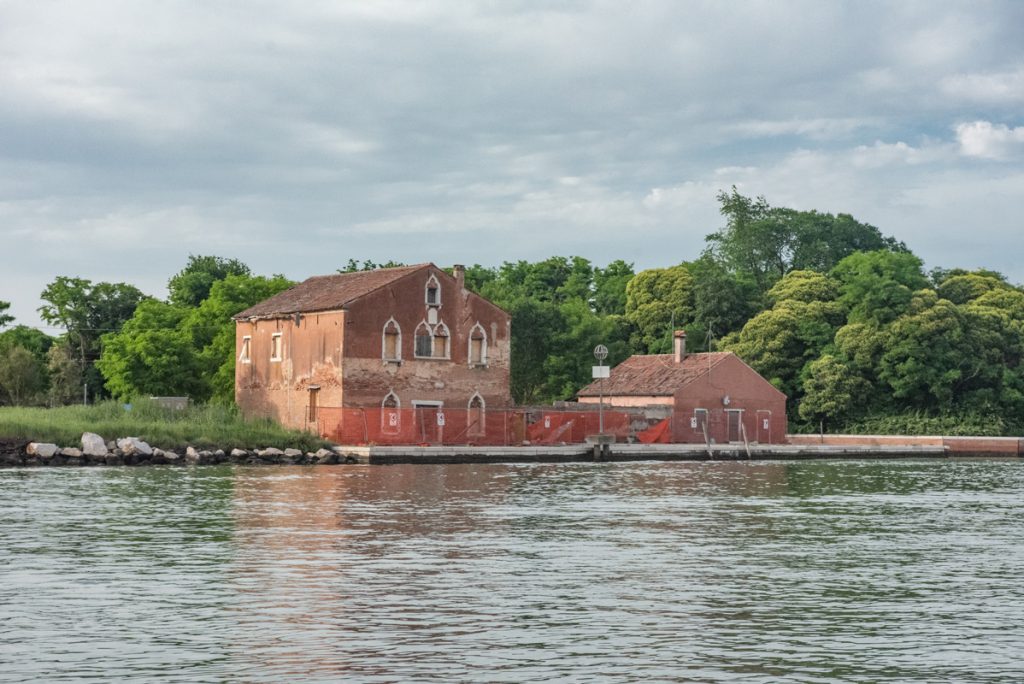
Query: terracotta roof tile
[654,374]
[327,292]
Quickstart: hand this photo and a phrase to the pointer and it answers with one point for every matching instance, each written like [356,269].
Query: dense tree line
[839,316]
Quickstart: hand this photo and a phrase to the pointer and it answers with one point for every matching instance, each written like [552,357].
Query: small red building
[713,397]
[396,339]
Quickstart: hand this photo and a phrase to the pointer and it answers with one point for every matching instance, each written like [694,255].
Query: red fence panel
[500,427]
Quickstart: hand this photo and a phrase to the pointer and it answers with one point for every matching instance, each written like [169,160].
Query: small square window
[275,347]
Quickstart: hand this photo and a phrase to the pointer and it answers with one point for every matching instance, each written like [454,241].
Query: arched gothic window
[433,292]
[391,414]
[477,346]
[424,341]
[441,341]
[477,416]
[391,344]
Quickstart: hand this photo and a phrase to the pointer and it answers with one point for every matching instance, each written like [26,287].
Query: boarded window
[441,341]
[246,345]
[424,340]
[392,345]
[390,414]
[477,417]
[477,346]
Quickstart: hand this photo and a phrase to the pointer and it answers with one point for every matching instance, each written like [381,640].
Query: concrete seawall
[802,447]
[632,452]
[957,446]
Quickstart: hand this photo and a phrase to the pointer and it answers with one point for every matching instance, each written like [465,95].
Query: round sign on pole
[600,352]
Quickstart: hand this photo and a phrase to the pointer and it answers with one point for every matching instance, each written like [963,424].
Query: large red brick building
[712,397]
[395,338]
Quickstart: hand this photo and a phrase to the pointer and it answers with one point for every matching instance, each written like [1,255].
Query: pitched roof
[654,374]
[327,292]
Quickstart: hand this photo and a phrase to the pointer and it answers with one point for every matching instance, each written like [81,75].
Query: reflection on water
[809,571]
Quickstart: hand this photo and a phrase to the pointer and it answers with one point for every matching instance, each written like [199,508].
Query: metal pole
[85,394]
[600,404]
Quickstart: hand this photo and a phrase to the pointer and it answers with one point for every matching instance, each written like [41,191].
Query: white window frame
[245,354]
[482,429]
[385,427]
[483,346]
[416,335]
[448,344]
[426,291]
[276,340]
[384,342]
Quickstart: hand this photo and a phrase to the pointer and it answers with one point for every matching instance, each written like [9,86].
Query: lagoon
[810,571]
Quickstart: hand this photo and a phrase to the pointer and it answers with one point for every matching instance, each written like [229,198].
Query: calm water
[810,572]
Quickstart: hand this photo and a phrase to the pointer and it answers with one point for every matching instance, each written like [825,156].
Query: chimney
[459,271]
[679,345]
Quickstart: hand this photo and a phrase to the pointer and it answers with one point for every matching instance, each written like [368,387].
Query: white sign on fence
[440,419]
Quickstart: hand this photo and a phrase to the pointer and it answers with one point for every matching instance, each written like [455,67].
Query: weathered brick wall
[341,353]
[454,380]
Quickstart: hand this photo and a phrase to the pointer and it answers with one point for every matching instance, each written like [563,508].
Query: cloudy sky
[295,136]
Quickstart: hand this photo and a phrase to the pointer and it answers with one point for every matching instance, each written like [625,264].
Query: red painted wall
[758,400]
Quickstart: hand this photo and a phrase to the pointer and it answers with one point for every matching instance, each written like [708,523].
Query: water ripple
[752,572]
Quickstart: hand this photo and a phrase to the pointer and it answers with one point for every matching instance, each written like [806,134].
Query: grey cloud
[297,136]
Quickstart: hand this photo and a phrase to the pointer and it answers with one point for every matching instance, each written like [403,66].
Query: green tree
[5,318]
[21,377]
[781,341]
[87,311]
[927,354]
[722,301]
[804,286]
[192,284]
[151,356]
[765,242]
[658,300]
[962,288]
[878,286]
[32,339]
[833,391]
[610,288]
[65,373]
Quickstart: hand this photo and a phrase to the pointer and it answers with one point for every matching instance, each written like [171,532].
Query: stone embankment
[131,451]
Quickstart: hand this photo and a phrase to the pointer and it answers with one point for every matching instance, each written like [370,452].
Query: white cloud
[989,141]
[1002,87]
[815,129]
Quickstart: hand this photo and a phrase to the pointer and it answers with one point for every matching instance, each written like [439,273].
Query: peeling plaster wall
[312,354]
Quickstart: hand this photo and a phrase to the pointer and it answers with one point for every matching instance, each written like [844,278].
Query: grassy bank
[204,426]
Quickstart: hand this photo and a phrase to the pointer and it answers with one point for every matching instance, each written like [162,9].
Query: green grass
[206,426]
